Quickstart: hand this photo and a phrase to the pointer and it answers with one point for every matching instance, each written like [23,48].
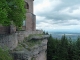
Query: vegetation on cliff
[29,43]
[4,55]
[63,49]
[12,10]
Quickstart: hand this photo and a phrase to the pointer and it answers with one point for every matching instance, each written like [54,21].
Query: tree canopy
[63,49]
[12,10]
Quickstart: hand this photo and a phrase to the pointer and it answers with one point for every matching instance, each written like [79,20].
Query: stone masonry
[30,17]
[30,22]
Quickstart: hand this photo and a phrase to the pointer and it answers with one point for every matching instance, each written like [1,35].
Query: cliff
[32,47]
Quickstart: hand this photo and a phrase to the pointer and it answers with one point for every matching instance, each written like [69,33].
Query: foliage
[32,43]
[14,11]
[63,49]
[45,33]
[27,44]
[4,55]
[4,9]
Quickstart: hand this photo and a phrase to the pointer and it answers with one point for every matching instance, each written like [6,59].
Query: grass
[33,58]
[5,55]
[19,47]
[28,44]
[32,43]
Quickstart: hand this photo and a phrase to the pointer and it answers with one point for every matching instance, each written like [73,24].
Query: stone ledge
[39,37]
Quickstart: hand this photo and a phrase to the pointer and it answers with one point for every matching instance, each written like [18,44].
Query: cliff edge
[32,48]
[26,45]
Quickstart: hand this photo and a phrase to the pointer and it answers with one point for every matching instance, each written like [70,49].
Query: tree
[50,47]
[63,49]
[14,11]
[4,13]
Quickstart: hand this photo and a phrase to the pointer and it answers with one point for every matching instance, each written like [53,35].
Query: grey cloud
[64,23]
[55,13]
[68,24]
[59,18]
[68,3]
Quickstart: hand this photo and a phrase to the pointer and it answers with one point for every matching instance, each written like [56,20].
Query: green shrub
[4,55]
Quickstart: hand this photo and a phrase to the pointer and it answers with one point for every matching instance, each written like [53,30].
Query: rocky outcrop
[26,45]
[36,37]
[34,49]
[11,40]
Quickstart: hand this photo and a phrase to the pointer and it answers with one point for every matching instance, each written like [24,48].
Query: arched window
[26,5]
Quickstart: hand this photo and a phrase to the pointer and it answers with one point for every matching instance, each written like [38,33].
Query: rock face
[31,50]
[11,40]
[26,45]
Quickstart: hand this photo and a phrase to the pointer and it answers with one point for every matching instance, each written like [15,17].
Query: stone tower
[30,23]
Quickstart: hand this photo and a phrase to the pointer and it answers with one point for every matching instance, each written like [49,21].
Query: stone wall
[7,29]
[30,3]
[4,30]
[30,22]
[11,40]
[30,17]
[22,34]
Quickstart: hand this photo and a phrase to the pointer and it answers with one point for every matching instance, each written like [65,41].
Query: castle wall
[4,30]
[30,2]
[7,29]
[30,22]
[34,23]
[9,41]
[22,34]
[12,40]
[30,17]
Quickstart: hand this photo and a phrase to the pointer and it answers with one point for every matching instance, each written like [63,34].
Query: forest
[63,49]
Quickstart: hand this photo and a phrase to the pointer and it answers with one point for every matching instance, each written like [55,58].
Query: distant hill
[71,35]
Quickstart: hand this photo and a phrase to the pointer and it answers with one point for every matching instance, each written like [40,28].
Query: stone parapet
[12,40]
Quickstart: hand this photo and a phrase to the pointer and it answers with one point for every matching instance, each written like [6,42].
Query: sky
[57,15]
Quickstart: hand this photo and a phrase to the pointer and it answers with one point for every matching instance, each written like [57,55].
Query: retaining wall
[11,41]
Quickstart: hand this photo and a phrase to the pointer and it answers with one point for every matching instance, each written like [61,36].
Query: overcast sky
[57,15]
